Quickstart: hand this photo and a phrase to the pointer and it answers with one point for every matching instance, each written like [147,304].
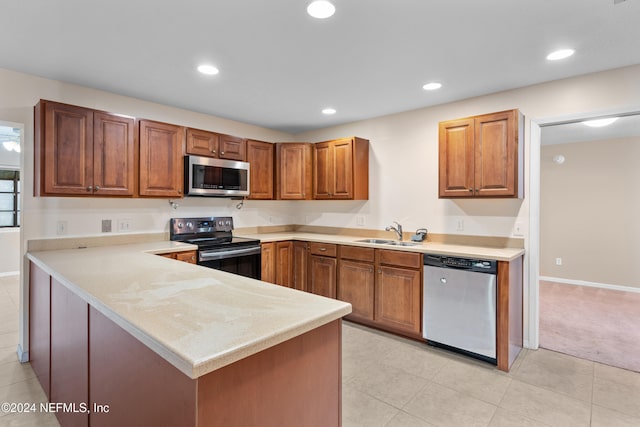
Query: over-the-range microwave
[206,176]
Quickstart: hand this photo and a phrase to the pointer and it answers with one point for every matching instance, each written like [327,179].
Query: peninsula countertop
[433,248]
[198,319]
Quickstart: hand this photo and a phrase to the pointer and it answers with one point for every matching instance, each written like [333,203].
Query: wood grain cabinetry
[356,281]
[260,158]
[300,265]
[211,144]
[294,171]
[40,326]
[341,169]
[161,159]
[284,264]
[268,262]
[185,256]
[83,152]
[482,156]
[323,269]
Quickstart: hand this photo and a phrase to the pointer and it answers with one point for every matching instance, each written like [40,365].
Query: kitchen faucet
[398,230]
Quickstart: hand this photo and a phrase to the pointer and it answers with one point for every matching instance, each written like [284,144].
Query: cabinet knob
[222,153]
[471,189]
[370,270]
[213,151]
[90,188]
[97,187]
[179,191]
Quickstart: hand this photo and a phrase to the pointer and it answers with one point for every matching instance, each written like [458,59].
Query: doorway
[589,287]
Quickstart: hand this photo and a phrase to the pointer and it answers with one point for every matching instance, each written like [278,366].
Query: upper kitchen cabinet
[260,157]
[83,152]
[341,169]
[482,156]
[294,171]
[161,159]
[211,144]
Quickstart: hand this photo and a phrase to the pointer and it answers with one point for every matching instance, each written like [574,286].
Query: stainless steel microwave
[206,176]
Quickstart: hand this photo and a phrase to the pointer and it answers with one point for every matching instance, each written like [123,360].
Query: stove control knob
[179,225]
[189,225]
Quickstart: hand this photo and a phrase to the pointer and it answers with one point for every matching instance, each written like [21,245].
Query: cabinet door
[113,154]
[342,174]
[456,158]
[496,154]
[398,299]
[40,325]
[202,143]
[300,258]
[268,267]
[69,353]
[322,275]
[67,153]
[323,170]
[356,286]
[233,148]
[260,158]
[161,159]
[293,171]
[284,264]
[188,256]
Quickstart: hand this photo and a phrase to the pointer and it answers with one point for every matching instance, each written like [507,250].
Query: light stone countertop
[196,318]
[482,252]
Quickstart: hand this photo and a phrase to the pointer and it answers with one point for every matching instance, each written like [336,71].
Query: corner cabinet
[83,152]
[161,159]
[294,171]
[482,156]
[341,169]
[260,158]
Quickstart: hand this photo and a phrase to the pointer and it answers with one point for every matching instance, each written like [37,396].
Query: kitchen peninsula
[155,341]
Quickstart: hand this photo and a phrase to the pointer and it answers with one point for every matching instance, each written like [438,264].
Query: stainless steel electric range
[217,247]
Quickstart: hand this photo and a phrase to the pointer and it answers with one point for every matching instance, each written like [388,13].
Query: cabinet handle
[471,189]
[379,271]
[222,153]
[97,187]
[213,151]
[90,188]
[370,270]
[179,191]
[323,249]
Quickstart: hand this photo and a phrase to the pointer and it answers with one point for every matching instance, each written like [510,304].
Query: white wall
[9,237]
[403,161]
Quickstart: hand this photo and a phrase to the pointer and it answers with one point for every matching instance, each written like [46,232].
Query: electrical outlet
[124,225]
[61,228]
[460,225]
[106,226]
[517,229]
[360,221]
[558,261]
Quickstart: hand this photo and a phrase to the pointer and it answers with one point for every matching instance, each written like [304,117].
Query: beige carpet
[591,323]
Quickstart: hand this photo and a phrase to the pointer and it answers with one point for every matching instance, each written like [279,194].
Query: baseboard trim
[23,356]
[10,273]
[590,284]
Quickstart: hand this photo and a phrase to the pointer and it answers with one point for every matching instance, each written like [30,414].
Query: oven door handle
[211,256]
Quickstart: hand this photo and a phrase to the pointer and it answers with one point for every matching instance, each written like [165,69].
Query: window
[9,198]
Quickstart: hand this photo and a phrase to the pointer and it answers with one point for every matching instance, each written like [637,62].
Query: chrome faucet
[397,229]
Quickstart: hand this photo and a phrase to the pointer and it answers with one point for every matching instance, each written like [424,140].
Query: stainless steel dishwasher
[459,306]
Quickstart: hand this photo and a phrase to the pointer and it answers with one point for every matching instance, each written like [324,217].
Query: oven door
[245,261]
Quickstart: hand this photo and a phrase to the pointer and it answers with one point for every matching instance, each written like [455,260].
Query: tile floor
[393,382]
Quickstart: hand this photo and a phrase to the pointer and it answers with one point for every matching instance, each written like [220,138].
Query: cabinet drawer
[357,254]
[399,258]
[325,249]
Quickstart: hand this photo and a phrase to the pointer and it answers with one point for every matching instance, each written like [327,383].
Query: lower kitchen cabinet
[300,260]
[185,256]
[40,326]
[356,281]
[323,269]
[268,262]
[284,264]
[398,299]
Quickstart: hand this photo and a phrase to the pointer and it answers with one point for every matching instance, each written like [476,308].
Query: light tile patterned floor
[393,382]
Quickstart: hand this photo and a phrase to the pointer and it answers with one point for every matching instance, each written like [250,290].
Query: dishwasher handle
[466,264]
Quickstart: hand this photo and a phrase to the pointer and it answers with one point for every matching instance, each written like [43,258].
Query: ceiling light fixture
[598,123]
[321,9]
[329,111]
[208,69]
[560,54]
[432,86]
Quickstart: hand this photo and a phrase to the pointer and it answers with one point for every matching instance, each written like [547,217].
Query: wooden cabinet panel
[293,171]
[322,275]
[113,154]
[398,299]
[69,353]
[300,260]
[161,159]
[284,264]
[188,256]
[260,158]
[233,148]
[324,249]
[482,156]
[268,262]
[356,281]
[357,253]
[40,325]
[67,149]
[202,143]
[341,169]
[399,258]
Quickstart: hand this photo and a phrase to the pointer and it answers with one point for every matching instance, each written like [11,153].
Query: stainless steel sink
[387,242]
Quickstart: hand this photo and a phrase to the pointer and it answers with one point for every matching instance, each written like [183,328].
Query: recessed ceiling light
[321,9]
[560,54]
[432,86]
[598,123]
[329,111]
[208,69]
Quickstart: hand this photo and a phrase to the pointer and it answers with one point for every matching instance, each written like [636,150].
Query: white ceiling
[279,67]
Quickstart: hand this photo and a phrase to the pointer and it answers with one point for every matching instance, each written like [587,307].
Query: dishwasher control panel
[469,264]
